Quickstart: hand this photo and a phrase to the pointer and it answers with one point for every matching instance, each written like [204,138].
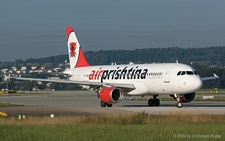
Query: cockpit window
[183,72]
[179,73]
[187,73]
[190,72]
[195,72]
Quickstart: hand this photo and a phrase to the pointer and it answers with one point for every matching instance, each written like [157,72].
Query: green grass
[141,126]
[196,99]
[210,99]
[9,105]
[208,91]
[111,132]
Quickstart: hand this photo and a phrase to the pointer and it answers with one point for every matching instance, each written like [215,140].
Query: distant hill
[206,60]
[208,56]
[52,59]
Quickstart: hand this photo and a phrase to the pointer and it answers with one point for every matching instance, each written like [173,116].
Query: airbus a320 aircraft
[112,82]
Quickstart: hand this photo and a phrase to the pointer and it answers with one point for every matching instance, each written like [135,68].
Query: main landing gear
[104,104]
[154,101]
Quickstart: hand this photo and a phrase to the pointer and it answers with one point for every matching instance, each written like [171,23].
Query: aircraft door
[167,75]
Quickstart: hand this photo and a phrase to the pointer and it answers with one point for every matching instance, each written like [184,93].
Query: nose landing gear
[179,103]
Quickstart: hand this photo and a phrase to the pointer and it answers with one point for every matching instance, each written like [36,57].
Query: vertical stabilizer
[76,55]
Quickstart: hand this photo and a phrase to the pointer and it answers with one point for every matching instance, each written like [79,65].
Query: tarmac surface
[74,103]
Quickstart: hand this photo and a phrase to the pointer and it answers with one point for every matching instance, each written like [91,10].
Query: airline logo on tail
[73,47]
[76,54]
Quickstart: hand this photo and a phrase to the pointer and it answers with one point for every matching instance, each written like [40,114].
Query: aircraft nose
[197,83]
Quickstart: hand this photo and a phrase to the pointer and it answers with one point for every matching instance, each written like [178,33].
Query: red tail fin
[81,62]
[76,55]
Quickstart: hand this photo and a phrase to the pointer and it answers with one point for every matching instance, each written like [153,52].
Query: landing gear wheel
[150,102]
[179,104]
[156,102]
[103,104]
[109,105]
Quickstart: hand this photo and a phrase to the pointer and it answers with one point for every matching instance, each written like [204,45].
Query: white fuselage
[148,79]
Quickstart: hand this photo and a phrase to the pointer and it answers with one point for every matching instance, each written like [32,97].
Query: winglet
[210,78]
[215,75]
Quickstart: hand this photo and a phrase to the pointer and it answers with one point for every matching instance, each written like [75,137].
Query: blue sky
[35,29]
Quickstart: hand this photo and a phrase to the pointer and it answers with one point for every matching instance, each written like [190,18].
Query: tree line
[208,56]
[206,60]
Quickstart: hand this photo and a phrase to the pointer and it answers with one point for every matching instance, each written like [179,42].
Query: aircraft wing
[210,78]
[87,83]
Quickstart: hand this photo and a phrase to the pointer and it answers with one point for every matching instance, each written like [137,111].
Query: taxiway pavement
[86,103]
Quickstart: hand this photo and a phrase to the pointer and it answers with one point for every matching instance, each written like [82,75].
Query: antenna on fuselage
[177,61]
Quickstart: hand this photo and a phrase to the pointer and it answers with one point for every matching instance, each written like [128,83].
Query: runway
[86,103]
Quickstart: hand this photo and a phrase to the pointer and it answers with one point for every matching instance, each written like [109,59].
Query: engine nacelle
[111,95]
[184,97]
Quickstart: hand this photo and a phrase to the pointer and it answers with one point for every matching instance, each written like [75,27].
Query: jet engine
[184,97]
[111,95]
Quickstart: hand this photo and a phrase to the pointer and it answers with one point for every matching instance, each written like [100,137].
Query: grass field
[211,91]
[196,99]
[8,105]
[174,126]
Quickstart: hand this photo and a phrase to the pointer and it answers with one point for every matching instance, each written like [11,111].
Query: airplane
[113,82]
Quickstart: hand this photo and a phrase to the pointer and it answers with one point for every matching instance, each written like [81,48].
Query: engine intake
[111,95]
[184,97]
